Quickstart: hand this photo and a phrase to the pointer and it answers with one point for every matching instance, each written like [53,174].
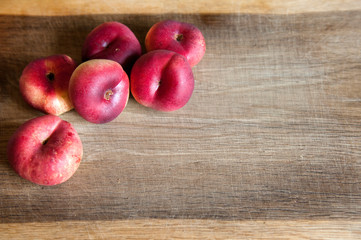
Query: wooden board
[271,133]
[81,7]
[184,229]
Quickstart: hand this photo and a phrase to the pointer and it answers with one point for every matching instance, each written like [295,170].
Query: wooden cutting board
[268,146]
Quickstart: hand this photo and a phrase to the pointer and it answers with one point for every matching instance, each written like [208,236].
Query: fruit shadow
[69,33]
[7,129]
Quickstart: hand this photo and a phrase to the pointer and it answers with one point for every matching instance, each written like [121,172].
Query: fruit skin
[99,90]
[113,41]
[162,80]
[45,150]
[44,83]
[183,38]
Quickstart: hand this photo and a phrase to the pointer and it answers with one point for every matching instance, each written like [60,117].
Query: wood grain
[181,229]
[80,7]
[271,133]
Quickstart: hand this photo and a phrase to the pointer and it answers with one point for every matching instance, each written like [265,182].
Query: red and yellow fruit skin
[44,84]
[183,38]
[113,41]
[99,90]
[45,150]
[162,80]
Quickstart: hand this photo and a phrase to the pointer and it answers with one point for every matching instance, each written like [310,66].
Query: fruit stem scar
[179,37]
[45,141]
[108,93]
[50,76]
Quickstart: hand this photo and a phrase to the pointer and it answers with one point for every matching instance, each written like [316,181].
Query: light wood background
[80,7]
[267,148]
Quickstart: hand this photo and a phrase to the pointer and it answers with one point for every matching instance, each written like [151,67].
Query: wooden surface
[81,7]
[184,229]
[267,148]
